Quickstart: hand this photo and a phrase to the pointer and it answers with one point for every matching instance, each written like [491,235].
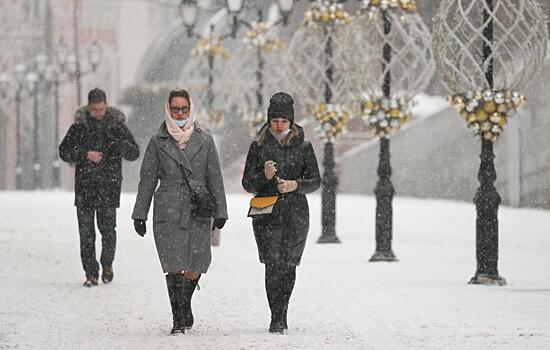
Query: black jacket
[98,185]
[281,236]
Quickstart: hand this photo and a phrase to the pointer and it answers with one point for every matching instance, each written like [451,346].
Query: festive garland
[385,116]
[210,46]
[332,119]
[325,12]
[487,112]
[375,5]
[257,36]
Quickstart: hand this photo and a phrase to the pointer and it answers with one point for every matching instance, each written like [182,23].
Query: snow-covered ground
[341,301]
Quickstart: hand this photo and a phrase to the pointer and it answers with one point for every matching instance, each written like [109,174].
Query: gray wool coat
[182,239]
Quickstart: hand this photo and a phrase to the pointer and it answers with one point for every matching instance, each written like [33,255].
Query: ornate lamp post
[211,48]
[6,83]
[258,64]
[32,85]
[316,74]
[36,80]
[51,75]
[391,63]
[487,51]
[70,64]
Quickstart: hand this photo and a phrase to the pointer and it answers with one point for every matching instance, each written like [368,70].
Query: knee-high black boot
[173,294]
[273,287]
[180,283]
[289,278]
[189,287]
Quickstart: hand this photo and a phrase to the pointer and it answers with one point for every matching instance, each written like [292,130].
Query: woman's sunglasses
[176,110]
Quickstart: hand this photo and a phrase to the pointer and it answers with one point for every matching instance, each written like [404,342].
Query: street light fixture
[391,63]
[209,46]
[189,13]
[20,71]
[61,54]
[51,75]
[41,63]
[234,6]
[32,79]
[316,74]
[5,81]
[69,63]
[95,54]
[285,8]
[263,48]
[486,52]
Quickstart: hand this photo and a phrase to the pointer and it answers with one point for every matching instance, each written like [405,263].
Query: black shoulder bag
[201,197]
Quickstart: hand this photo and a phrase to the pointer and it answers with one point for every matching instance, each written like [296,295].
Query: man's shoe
[107,274]
[90,281]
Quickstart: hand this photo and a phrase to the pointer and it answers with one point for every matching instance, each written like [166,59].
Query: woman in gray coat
[180,151]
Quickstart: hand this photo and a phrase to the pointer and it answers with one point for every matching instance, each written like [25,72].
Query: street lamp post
[32,81]
[391,63]
[484,64]
[6,83]
[255,61]
[317,77]
[76,47]
[70,64]
[210,47]
[52,76]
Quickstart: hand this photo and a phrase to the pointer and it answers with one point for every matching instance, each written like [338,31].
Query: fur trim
[80,114]
[294,131]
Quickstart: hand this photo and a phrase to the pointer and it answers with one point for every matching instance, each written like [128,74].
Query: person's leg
[106,222]
[289,279]
[86,230]
[191,282]
[274,290]
[174,282]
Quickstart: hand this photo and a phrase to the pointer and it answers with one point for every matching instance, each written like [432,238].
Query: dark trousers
[106,223]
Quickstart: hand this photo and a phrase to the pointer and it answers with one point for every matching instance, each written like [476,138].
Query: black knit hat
[281,105]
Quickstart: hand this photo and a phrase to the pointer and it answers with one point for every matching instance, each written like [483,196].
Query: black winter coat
[98,185]
[281,236]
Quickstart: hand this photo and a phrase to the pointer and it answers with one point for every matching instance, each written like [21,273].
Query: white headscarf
[181,135]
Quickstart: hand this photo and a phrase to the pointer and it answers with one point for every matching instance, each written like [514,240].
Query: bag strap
[185,177]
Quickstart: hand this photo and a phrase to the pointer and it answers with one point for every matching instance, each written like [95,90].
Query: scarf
[181,135]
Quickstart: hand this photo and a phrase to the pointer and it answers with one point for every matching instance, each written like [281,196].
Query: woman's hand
[269,169]
[140,227]
[286,186]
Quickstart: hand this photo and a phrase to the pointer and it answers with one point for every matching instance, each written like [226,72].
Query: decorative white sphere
[464,49]
[314,51]
[388,43]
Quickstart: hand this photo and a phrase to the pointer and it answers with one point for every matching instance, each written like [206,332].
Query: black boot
[288,285]
[189,287]
[273,288]
[173,294]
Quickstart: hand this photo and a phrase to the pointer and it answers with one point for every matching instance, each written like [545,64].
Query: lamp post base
[329,239]
[383,256]
[487,280]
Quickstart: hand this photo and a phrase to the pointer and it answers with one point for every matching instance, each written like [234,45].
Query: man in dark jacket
[96,144]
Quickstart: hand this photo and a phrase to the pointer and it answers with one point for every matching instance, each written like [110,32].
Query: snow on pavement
[341,301]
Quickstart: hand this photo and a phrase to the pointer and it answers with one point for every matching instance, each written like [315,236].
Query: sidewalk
[341,301]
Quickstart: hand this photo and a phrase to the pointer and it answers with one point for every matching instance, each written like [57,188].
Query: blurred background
[52,52]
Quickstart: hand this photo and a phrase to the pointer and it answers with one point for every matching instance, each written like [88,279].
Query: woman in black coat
[280,162]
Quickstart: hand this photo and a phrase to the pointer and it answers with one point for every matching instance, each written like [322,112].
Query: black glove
[218,223]
[139,226]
